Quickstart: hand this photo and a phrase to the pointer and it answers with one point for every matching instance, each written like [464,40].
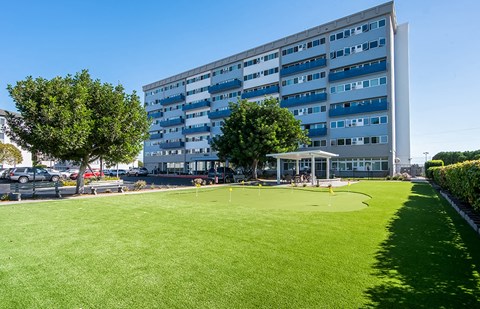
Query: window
[303,78]
[260,59]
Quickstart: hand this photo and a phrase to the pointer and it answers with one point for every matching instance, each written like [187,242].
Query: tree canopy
[254,130]
[452,157]
[9,154]
[79,119]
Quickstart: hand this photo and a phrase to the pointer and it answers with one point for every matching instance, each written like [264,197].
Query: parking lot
[129,182]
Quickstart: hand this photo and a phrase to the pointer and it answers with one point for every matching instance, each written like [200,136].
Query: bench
[33,186]
[106,184]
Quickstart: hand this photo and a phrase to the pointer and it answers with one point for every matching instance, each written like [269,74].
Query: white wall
[402,90]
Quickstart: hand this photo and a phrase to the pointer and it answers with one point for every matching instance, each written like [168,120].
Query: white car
[66,173]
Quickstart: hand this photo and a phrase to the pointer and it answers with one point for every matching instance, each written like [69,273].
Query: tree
[452,157]
[140,163]
[9,154]
[254,130]
[79,119]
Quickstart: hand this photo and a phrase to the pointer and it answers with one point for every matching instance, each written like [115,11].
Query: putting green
[300,199]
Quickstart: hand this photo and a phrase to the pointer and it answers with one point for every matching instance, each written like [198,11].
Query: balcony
[303,67]
[195,130]
[172,145]
[359,109]
[260,92]
[236,83]
[219,114]
[319,97]
[373,68]
[317,132]
[155,115]
[188,107]
[172,122]
[173,99]
[156,136]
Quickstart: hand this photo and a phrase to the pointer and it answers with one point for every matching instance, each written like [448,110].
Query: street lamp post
[426,155]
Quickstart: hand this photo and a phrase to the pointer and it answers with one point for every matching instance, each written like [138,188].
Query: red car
[88,174]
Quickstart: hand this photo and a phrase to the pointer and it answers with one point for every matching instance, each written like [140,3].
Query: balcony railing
[156,136]
[260,92]
[155,115]
[173,99]
[172,122]
[188,107]
[319,97]
[317,132]
[219,114]
[359,109]
[303,67]
[236,83]
[172,145]
[196,130]
[373,68]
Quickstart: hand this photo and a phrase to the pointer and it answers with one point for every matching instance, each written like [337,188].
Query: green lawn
[273,248]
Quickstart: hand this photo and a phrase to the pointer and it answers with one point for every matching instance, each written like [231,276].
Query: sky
[139,42]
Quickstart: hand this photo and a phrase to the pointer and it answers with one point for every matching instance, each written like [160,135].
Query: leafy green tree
[140,163]
[9,154]
[254,130]
[452,157]
[79,119]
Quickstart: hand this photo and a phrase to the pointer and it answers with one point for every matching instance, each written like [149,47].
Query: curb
[462,213]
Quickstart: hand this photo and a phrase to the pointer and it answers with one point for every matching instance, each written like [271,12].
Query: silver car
[26,174]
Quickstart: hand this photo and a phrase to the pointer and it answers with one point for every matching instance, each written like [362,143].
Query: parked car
[88,174]
[26,174]
[4,173]
[142,171]
[114,172]
[67,172]
[224,174]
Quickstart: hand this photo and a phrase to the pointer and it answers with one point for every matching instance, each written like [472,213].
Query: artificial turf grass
[159,250]
[293,198]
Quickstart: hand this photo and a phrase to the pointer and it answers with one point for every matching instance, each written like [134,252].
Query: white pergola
[299,155]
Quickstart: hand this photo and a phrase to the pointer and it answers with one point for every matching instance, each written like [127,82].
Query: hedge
[461,179]
[430,164]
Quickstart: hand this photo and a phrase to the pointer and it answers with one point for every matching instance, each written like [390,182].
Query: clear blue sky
[139,42]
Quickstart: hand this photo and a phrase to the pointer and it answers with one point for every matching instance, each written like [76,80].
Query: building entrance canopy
[299,155]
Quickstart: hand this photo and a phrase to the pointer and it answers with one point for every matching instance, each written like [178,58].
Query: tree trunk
[254,166]
[80,181]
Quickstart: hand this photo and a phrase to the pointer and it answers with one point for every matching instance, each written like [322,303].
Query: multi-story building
[346,80]
[26,155]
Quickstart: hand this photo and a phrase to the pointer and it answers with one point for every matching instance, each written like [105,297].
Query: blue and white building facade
[346,80]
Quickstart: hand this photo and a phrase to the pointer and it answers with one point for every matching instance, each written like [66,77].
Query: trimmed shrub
[462,180]
[139,185]
[430,164]
[68,183]
[198,181]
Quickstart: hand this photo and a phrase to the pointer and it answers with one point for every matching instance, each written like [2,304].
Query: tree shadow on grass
[430,260]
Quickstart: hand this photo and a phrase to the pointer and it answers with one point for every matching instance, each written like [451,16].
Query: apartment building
[26,155]
[346,80]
